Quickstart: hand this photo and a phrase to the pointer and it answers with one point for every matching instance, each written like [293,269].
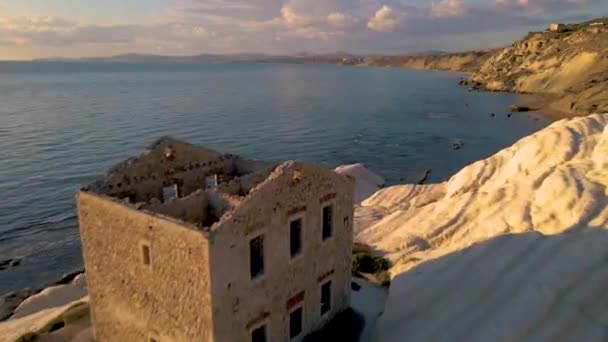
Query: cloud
[460,17]
[50,31]
[234,9]
[313,33]
[318,8]
[448,8]
[292,24]
[286,26]
[290,19]
[384,20]
[337,19]
[353,23]
[35,24]
[531,7]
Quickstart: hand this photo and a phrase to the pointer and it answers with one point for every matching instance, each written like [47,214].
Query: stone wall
[292,190]
[166,163]
[140,185]
[193,208]
[170,162]
[202,207]
[130,301]
[240,186]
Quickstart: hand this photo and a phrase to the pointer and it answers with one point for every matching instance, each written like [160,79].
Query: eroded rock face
[512,247]
[569,66]
[460,62]
[10,301]
[20,303]
[572,65]
[366,182]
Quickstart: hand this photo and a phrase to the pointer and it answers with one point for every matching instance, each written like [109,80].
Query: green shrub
[364,262]
[381,264]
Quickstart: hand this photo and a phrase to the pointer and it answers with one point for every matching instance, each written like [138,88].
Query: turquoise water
[63,124]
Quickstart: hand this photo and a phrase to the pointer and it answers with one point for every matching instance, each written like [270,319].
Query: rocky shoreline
[568,68]
[514,242]
[11,300]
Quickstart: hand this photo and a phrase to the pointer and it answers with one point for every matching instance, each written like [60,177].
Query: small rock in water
[518,108]
[10,262]
[457,144]
[492,114]
[509,115]
[424,176]
[354,286]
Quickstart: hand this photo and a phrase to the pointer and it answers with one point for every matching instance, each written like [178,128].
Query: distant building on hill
[352,60]
[556,27]
[186,244]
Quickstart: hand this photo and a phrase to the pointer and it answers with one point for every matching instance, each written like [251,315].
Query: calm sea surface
[63,124]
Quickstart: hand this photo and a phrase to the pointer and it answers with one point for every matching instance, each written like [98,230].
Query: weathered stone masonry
[180,269]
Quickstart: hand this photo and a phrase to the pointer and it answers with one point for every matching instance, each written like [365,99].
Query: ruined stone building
[186,244]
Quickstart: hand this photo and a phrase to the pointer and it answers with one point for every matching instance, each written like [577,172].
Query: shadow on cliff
[525,286]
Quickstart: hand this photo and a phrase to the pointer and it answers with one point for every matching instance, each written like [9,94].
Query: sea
[63,124]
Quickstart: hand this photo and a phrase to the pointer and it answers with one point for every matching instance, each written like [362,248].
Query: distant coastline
[567,68]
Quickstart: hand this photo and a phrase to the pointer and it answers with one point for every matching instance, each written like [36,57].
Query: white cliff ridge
[513,247]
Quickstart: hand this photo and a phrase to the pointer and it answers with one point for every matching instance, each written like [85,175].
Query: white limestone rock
[366,182]
[516,244]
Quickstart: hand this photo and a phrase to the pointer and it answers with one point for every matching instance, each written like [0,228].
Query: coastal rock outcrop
[461,62]
[366,182]
[515,245]
[49,311]
[570,66]
[50,323]
[10,262]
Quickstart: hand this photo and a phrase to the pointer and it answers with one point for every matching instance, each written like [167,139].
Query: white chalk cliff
[513,247]
[366,182]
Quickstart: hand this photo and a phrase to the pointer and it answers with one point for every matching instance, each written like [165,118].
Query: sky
[32,29]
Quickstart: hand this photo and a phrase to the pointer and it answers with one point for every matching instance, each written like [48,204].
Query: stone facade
[181,269]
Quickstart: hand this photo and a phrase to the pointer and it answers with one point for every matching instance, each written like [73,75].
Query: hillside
[570,65]
[510,248]
[461,62]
